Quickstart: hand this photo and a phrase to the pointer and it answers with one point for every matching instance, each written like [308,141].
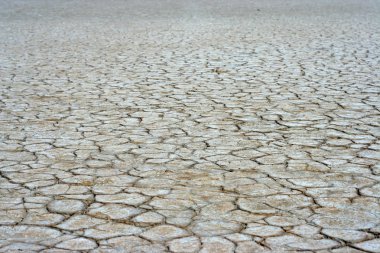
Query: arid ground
[211,126]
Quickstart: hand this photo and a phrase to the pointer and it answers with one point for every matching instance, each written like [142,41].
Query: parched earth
[190,126]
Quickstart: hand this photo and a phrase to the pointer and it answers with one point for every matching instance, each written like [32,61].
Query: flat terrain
[190,126]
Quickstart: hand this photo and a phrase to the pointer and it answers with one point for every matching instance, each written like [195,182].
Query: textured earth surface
[190,126]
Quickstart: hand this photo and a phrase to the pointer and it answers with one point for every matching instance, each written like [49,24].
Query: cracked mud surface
[170,126]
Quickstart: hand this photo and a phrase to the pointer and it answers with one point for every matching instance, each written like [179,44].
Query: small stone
[28,233]
[149,217]
[338,142]
[238,237]
[214,227]
[371,154]
[256,190]
[98,164]
[307,231]
[282,240]
[249,247]
[11,217]
[186,244]
[314,244]
[106,189]
[171,204]
[332,192]
[43,219]
[288,202]
[244,216]
[218,208]
[80,222]
[152,248]
[16,156]
[346,250]
[254,206]
[77,244]
[344,219]
[284,221]
[373,191]
[120,180]
[126,243]
[110,230]
[371,246]
[22,247]
[347,235]
[114,211]
[216,244]
[178,221]
[66,206]
[309,182]
[263,231]
[164,233]
[56,189]
[133,199]
[272,159]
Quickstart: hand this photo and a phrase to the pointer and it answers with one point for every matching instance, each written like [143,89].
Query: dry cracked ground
[189,126]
